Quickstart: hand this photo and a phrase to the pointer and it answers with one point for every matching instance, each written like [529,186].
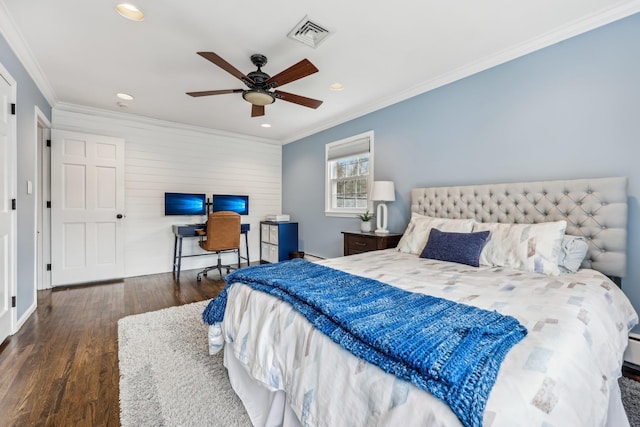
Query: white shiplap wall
[165,156]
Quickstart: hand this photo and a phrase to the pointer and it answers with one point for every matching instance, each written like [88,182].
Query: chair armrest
[200,232]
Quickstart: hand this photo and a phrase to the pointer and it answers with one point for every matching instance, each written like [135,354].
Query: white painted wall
[165,156]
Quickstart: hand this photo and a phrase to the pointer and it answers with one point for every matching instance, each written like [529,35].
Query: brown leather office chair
[222,235]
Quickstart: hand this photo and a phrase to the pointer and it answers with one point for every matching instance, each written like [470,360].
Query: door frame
[42,196]
[13,291]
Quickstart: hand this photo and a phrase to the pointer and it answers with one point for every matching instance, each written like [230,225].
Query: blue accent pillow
[463,248]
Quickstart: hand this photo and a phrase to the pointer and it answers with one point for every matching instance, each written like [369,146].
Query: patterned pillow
[572,253]
[528,247]
[416,235]
[463,248]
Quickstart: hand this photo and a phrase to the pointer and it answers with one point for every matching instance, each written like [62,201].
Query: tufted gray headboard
[594,208]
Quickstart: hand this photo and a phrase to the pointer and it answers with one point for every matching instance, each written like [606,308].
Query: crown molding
[136,121]
[18,44]
[565,32]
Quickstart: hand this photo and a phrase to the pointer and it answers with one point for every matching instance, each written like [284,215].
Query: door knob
[119,216]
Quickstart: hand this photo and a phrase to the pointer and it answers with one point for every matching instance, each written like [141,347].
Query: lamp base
[381,221]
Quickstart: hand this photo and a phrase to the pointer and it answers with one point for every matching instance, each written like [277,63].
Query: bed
[563,372]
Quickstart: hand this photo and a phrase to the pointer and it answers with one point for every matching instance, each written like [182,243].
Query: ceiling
[82,52]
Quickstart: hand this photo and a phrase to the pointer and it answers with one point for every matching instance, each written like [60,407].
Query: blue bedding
[451,350]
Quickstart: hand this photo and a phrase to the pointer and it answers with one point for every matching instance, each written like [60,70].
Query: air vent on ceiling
[309,33]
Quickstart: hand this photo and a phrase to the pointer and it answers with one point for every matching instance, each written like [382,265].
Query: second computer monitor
[230,202]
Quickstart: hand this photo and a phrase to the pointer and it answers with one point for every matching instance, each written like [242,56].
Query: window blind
[348,149]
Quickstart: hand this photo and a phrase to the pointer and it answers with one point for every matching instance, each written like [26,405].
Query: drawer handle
[360,243]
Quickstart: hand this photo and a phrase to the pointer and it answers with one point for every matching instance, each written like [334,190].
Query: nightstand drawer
[361,244]
[355,243]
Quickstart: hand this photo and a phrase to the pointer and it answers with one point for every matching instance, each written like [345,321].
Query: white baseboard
[25,316]
[632,353]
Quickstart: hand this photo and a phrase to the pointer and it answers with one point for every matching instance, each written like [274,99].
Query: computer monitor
[185,204]
[229,202]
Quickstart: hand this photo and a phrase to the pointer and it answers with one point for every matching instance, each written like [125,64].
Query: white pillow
[416,235]
[572,252]
[528,247]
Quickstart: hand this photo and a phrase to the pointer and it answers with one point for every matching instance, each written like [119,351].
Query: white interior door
[7,213]
[87,208]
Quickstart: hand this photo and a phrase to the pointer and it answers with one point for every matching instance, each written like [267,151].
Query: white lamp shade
[383,191]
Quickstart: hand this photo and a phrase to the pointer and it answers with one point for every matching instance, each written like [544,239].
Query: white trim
[41,118]
[16,41]
[311,257]
[23,319]
[14,195]
[140,121]
[346,213]
[565,32]
[41,121]
[34,225]
[632,353]
[11,33]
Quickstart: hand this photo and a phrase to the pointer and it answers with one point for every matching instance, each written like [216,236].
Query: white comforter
[560,375]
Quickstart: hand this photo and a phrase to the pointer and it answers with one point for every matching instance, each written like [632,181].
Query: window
[349,175]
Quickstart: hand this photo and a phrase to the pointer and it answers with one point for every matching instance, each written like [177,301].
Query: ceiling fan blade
[297,99]
[257,110]
[295,72]
[214,92]
[225,66]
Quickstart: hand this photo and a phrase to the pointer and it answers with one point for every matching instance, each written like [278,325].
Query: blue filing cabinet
[277,240]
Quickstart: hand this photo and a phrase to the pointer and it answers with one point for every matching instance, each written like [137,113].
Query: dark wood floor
[61,368]
[631,371]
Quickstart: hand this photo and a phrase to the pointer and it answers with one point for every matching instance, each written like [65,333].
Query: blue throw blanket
[451,350]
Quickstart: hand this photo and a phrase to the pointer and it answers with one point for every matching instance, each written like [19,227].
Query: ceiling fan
[260,84]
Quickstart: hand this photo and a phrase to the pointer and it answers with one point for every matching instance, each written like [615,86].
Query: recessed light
[336,86]
[265,125]
[125,96]
[129,11]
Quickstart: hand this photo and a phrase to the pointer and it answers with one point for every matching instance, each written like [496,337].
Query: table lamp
[382,191]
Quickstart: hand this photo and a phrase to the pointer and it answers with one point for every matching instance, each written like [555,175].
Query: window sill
[344,214]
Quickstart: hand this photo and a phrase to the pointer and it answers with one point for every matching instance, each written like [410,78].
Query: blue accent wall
[28,96]
[571,110]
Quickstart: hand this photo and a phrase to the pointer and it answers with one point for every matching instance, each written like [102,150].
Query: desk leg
[246,244]
[175,251]
[179,255]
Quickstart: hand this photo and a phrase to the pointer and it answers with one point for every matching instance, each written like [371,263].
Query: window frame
[329,210]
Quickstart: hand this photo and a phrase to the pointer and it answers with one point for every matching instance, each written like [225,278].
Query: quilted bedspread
[560,374]
[450,349]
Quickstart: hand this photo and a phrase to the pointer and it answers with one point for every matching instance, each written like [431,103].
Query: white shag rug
[168,378]
[631,399]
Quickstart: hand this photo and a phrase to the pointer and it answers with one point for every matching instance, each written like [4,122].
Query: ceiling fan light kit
[258,97]
[260,84]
